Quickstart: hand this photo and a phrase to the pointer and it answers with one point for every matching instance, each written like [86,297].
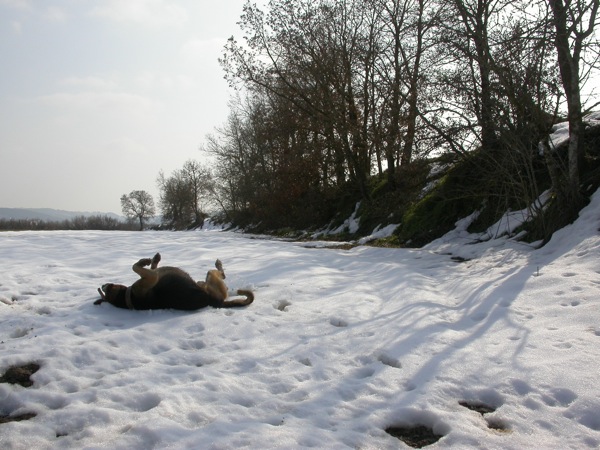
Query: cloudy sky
[98,96]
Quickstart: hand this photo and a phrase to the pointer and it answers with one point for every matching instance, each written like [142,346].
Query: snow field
[338,345]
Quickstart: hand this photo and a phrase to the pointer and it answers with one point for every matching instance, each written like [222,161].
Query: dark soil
[20,417]
[481,408]
[20,374]
[417,437]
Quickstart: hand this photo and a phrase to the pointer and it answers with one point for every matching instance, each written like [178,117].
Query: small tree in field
[138,205]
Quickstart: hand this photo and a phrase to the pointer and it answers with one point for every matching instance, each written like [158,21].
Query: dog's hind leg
[216,288]
[155,261]
[219,266]
[214,284]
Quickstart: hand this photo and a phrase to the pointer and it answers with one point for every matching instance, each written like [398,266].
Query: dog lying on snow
[171,288]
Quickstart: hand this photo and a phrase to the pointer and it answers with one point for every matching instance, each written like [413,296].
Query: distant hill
[48,214]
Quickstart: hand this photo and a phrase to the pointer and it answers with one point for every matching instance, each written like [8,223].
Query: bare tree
[318,56]
[138,205]
[182,193]
[199,181]
[574,22]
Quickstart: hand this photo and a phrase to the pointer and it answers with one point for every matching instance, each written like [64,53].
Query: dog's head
[114,294]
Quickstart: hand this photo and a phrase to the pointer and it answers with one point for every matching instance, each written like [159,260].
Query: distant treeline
[98,222]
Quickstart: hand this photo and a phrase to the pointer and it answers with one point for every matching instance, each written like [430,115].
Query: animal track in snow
[409,386]
[282,305]
[585,412]
[336,322]
[559,397]
[573,303]
[192,344]
[20,332]
[389,361]
[595,331]
[143,403]
[364,372]
[493,423]
[195,329]
[478,317]
[306,361]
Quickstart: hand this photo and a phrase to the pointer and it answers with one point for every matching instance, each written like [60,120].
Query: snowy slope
[338,346]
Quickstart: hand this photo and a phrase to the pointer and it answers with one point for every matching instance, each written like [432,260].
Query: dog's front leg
[149,276]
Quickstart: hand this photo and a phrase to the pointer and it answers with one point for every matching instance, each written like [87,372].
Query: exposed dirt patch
[20,374]
[20,417]
[459,259]
[498,425]
[339,246]
[481,408]
[418,436]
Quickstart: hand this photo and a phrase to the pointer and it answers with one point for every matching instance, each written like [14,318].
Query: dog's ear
[115,294]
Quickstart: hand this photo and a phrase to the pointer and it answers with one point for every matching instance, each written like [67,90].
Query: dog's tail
[239,302]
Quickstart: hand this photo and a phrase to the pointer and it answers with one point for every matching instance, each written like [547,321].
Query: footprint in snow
[20,332]
[573,303]
[559,397]
[364,372]
[306,361]
[389,361]
[192,344]
[282,305]
[336,322]
[143,403]
[482,408]
[478,317]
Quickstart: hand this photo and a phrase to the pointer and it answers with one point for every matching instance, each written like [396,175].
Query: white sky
[97,96]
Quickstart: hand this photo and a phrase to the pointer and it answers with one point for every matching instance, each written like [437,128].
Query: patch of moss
[388,204]
[436,213]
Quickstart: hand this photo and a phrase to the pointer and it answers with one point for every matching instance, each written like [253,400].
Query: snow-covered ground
[338,346]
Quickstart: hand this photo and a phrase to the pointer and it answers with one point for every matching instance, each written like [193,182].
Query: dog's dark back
[177,290]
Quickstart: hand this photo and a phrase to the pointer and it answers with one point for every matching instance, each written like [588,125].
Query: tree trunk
[569,71]
[413,95]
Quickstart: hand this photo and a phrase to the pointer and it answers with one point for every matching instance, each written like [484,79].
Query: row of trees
[184,197]
[335,91]
[95,222]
